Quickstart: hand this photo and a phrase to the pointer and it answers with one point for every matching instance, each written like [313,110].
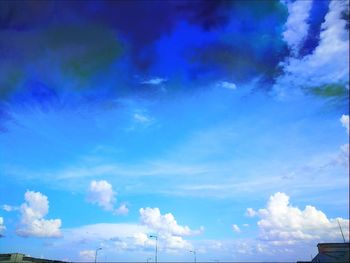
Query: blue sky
[219,126]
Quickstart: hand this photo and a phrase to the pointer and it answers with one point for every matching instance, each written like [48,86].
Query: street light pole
[194,253]
[156,237]
[97,249]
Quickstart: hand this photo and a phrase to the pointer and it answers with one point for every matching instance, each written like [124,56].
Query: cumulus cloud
[236,228]
[345,122]
[296,25]
[33,211]
[122,210]
[283,224]
[169,231]
[250,212]
[2,226]
[328,63]
[142,239]
[87,255]
[102,194]
[152,218]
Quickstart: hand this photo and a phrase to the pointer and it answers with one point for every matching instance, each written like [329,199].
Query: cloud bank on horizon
[218,126]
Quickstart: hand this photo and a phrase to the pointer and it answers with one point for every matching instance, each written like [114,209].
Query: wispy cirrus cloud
[10,208]
[154,81]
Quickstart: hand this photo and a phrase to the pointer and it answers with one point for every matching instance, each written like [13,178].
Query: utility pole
[341,231]
[97,249]
[156,237]
[195,255]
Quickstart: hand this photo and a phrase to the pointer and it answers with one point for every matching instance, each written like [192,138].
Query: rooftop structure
[21,258]
[331,253]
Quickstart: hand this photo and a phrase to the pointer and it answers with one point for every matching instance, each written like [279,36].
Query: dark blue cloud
[67,52]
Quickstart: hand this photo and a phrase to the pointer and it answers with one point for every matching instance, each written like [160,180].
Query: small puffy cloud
[154,81]
[227,85]
[283,224]
[122,210]
[152,218]
[296,25]
[2,226]
[10,208]
[32,222]
[250,212]
[102,194]
[345,122]
[236,228]
[87,255]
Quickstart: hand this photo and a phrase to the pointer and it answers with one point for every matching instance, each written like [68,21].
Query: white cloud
[227,85]
[134,237]
[2,226]
[236,228]
[87,255]
[142,118]
[345,122]
[102,194]
[283,224]
[329,62]
[152,218]
[169,231]
[296,25]
[154,81]
[250,212]
[122,210]
[173,242]
[33,211]
[10,208]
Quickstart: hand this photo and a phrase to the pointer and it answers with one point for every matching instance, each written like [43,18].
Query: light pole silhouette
[148,259]
[195,255]
[156,237]
[97,249]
